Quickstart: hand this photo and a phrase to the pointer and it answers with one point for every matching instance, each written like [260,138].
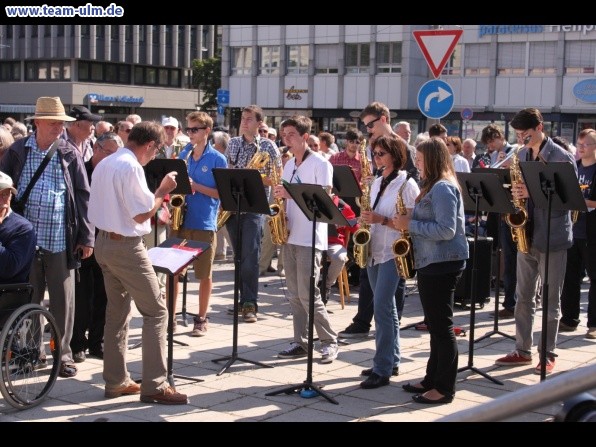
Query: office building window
[10,71]
[60,31]
[85,31]
[47,70]
[453,65]
[100,31]
[142,33]
[162,76]
[542,58]
[297,59]
[111,73]
[123,74]
[9,31]
[269,60]
[326,59]
[155,31]
[389,57]
[175,78]
[150,76]
[97,72]
[114,32]
[139,78]
[55,71]
[128,33]
[34,30]
[357,58]
[580,57]
[241,60]
[511,59]
[476,60]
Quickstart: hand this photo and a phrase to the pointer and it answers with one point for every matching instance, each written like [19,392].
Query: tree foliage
[206,76]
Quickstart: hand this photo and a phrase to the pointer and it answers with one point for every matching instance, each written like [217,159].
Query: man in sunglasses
[376,121]
[239,153]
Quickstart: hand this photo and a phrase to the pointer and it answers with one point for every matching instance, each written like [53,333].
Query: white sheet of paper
[170,258]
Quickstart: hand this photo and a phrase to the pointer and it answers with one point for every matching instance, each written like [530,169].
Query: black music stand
[344,185]
[505,179]
[481,192]
[240,191]
[157,169]
[552,186]
[317,206]
[170,243]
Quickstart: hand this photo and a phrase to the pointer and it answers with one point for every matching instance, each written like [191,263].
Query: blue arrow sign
[221,109]
[435,99]
[223,96]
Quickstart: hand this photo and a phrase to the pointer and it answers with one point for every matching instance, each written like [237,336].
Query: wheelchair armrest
[13,296]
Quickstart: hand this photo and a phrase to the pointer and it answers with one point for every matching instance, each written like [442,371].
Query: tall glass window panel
[297,59]
[269,58]
[453,65]
[542,58]
[241,60]
[580,56]
[389,57]
[357,57]
[55,70]
[326,59]
[511,59]
[476,59]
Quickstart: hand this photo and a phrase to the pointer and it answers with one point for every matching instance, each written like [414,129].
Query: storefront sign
[491,30]
[97,98]
[585,90]
[294,93]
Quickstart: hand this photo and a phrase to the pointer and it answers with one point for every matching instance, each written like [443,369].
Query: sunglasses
[371,124]
[194,129]
[379,154]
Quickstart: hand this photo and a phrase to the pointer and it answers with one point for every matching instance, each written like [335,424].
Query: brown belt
[116,236]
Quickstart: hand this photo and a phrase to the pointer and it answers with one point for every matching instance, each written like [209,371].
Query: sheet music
[172,259]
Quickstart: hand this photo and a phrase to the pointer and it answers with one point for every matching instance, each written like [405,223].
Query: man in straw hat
[57,208]
[17,238]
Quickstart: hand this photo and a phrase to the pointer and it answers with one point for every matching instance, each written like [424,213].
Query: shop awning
[17,108]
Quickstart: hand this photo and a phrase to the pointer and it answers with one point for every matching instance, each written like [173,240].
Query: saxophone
[277,221]
[518,220]
[178,202]
[361,237]
[258,161]
[402,247]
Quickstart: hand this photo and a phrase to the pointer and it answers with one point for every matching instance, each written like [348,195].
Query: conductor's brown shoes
[167,396]
[124,390]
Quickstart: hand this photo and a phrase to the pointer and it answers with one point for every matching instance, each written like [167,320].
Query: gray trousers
[128,273]
[49,269]
[297,265]
[530,267]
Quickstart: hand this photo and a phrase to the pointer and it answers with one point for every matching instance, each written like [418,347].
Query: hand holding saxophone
[402,221]
[279,192]
[519,191]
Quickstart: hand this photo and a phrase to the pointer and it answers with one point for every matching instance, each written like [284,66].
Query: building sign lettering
[95,98]
[492,30]
[294,93]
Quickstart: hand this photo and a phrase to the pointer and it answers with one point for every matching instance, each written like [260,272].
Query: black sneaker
[293,352]
[353,331]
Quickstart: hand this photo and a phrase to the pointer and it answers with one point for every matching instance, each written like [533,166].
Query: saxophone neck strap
[384,183]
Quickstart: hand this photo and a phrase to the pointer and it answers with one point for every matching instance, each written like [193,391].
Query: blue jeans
[383,280]
[251,227]
[365,312]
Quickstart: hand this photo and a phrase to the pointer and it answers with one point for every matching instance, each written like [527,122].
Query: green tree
[206,76]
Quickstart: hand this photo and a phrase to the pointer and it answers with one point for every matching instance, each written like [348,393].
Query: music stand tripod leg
[470,366]
[308,389]
[237,260]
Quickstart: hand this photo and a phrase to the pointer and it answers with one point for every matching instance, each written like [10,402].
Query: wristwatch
[385,220]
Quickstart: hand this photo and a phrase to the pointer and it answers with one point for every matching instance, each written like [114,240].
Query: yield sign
[437,47]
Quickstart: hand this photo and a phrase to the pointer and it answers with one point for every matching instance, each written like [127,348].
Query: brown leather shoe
[124,390]
[167,396]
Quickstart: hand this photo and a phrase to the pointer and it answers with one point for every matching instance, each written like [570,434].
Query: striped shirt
[45,208]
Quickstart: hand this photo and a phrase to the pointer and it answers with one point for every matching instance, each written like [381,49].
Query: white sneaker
[329,353]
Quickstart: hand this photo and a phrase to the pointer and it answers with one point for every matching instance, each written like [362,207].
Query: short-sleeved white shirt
[119,192]
[314,170]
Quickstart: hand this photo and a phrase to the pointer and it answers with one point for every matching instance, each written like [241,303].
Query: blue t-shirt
[585,175]
[201,211]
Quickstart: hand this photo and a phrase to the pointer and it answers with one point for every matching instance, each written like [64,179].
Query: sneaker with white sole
[200,327]
[514,358]
[329,353]
[293,352]
[249,313]
[550,365]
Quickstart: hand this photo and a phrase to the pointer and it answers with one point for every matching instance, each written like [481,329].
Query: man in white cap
[57,207]
[17,238]
[80,131]
[272,135]
[172,145]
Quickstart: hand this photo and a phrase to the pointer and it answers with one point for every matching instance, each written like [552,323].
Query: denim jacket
[437,226]
[561,235]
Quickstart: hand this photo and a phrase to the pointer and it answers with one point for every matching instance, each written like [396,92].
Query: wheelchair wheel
[30,358]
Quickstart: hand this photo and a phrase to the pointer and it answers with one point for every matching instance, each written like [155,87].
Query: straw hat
[50,108]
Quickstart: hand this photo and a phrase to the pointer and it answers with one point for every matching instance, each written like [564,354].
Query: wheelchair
[31,352]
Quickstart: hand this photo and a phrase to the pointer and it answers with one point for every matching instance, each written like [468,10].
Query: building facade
[114,70]
[331,72]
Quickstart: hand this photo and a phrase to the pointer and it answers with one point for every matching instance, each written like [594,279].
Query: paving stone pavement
[239,393]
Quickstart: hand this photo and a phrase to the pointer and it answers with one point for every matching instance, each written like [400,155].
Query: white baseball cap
[272,131]
[6,183]
[169,121]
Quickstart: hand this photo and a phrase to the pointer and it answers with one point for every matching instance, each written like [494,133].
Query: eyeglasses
[194,129]
[581,146]
[371,124]
[379,154]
